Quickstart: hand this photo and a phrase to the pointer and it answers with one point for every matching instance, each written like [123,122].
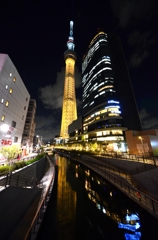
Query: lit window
[11,90]
[14,79]
[2,118]
[91,103]
[2,100]
[10,74]
[7,103]
[6,87]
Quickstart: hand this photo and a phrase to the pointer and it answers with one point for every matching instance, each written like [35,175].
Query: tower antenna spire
[71,28]
[70,42]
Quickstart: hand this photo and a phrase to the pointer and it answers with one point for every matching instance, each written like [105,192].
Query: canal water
[84,206]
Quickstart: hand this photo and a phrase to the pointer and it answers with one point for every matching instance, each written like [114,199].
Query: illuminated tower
[69,110]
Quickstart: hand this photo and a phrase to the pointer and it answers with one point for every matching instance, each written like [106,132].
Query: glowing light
[4,127]
[104,211]
[112,101]
[112,106]
[130,227]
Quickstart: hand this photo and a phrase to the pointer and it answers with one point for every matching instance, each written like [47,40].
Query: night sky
[34,35]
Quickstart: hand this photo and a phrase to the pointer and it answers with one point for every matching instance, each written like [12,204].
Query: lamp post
[141,139]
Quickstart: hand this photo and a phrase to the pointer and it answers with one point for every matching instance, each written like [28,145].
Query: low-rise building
[14,101]
[142,142]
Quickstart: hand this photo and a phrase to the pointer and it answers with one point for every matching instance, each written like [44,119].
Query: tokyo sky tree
[69,109]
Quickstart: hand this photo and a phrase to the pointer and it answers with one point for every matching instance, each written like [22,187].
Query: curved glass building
[109,106]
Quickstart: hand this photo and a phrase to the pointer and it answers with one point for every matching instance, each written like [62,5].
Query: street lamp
[141,139]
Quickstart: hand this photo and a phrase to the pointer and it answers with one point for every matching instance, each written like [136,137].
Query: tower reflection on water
[66,202]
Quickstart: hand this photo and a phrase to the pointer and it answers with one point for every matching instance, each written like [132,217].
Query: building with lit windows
[14,101]
[109,106]
[29,128]
[69,109]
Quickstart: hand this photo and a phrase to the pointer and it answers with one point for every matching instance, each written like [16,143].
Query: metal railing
[148,203]
[46,193]
[17,179]
[132,157]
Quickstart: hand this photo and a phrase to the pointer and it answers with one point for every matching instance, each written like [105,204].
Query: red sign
[6,142]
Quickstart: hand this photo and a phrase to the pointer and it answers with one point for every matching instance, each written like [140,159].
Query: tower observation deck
[69,108]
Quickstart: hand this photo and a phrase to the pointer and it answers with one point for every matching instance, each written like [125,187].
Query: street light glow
[141,139]
[4,127]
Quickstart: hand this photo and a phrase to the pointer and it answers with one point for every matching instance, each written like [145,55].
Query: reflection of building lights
[104,211]
[136,235]
[98,206]
[130,227]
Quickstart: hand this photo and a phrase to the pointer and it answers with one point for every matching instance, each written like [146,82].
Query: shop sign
[6,142]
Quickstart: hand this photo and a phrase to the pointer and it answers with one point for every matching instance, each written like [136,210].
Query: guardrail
[133,157]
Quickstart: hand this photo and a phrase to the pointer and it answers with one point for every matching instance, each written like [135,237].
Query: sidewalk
[19,206]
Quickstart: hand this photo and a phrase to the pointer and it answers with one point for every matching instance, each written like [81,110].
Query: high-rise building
[69,109]
[109,106]
[14,99]
[29,128]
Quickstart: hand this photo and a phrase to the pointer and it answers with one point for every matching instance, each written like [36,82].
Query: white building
[14,101]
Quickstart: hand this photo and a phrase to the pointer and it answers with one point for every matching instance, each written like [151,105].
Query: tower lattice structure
[69,108]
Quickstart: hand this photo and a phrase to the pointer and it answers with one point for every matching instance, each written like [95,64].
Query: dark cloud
[128,12]
[148,122]
[47,127]
[52,95]
[136,18]
[142,44]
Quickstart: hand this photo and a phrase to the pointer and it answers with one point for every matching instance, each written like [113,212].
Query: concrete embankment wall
[15,202]
[35,170]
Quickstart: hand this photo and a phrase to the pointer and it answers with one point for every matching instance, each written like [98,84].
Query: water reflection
[66,202]
[84,206]
[126,219]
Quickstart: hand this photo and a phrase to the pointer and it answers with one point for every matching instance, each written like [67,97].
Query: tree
[119,142]
[10,152]
[105,145]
